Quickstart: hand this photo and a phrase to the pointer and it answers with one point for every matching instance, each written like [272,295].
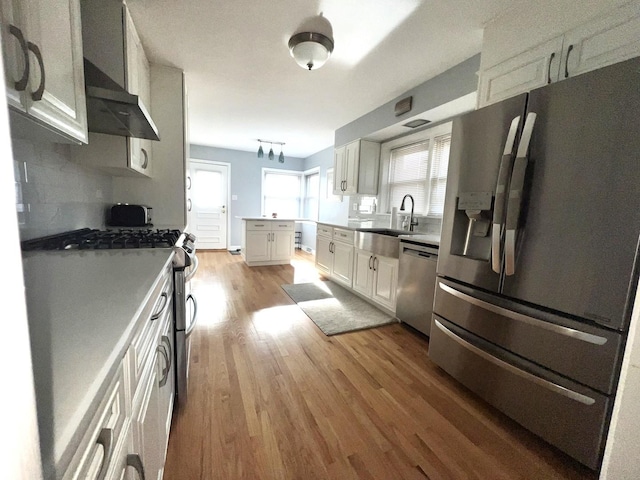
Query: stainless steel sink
[380,241]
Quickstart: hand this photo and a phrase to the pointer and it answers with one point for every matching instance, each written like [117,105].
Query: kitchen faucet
[412,222]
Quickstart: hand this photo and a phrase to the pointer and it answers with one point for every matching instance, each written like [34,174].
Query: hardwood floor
[272,397]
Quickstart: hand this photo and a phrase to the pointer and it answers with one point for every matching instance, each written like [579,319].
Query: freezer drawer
[567,415]
[584,353]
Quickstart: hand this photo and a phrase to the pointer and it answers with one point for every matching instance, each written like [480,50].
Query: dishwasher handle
[417,251]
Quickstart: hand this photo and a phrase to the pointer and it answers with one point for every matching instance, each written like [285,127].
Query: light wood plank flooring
[271,397]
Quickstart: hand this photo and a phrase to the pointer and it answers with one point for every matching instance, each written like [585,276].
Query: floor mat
[335,309]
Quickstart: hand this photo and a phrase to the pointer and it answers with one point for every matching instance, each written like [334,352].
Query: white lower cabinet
[334,254]
[128,436]
[268,242]
[376,277]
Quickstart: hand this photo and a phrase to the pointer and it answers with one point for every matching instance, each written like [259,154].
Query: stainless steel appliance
[416,284]
[538,261]
[185,265]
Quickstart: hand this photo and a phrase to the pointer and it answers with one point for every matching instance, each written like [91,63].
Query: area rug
[334,309]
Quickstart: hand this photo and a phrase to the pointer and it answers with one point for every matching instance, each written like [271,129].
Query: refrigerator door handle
[516,193]
[501,187]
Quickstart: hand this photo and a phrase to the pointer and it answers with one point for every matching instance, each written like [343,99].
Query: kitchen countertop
[283,219]
[82,308]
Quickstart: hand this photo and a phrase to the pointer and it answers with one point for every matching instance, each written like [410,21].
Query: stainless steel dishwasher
[416,284]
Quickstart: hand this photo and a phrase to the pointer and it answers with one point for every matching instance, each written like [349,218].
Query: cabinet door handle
[553,55]
[375,264]
[370,259]
[21,84]
[145,162]
[188,182]
[188,204]
[165,297]
[165,371]
[105,439]
[37,95]
[167,341]
[566,62]
[134,461]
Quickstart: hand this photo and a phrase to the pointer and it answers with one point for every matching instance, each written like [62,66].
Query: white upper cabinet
[44,73]
[600,42]
[138,83]
[112,42]
[356,168]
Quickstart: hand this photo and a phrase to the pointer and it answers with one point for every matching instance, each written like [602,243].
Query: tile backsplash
[55,193]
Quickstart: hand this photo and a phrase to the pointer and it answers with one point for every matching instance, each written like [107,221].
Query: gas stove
[93,239]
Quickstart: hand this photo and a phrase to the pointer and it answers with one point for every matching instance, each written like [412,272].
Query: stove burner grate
[92,239]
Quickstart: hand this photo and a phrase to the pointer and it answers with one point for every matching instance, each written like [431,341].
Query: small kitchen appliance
[125,215]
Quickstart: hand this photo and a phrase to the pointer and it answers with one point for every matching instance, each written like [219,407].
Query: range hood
[113,110]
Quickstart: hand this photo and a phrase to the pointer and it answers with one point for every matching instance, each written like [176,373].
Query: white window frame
[305,196]
[281,171]
[427,135]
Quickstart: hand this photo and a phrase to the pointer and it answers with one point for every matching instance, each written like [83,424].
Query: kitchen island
[268,241]
[84,309]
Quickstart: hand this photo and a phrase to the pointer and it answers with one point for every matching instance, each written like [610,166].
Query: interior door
[482,146]
[577,238]
[209,197]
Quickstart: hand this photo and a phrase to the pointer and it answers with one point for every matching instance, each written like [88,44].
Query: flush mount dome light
[310,50]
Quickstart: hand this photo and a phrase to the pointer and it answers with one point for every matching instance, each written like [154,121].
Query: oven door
[186,318]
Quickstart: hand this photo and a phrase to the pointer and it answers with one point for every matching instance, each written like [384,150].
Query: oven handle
[194,319]
[194,268]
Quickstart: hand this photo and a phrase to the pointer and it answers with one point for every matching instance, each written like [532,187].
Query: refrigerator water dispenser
[471,225]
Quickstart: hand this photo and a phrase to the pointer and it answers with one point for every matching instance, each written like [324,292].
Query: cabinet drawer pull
[165,297]
[553,55]
[105,439]
[566,63]
[134,461]
[37,95]
[21,84]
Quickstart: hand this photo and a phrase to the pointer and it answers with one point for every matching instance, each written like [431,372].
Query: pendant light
[270,155]
[260,151]
[271,152]
[281,156]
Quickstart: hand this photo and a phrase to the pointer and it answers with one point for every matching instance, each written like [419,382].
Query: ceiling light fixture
[310,50]
[271,155]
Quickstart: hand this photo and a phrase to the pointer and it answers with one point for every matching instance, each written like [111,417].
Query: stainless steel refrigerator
[538,256]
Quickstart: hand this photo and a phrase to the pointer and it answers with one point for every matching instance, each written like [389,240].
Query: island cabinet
[602,41]
[44,72]
[334,253]
[356,168]
[267,241]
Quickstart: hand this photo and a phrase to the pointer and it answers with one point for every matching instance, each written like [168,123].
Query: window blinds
[438,175]
[408,168]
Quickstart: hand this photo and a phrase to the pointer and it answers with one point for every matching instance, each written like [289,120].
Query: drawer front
[284,226]
[586,354]
[564,413]
[98,448]
[324,230]
[343,235]
[258,225]
[159,306]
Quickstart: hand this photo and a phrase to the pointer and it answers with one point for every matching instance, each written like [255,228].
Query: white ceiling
[243,84]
